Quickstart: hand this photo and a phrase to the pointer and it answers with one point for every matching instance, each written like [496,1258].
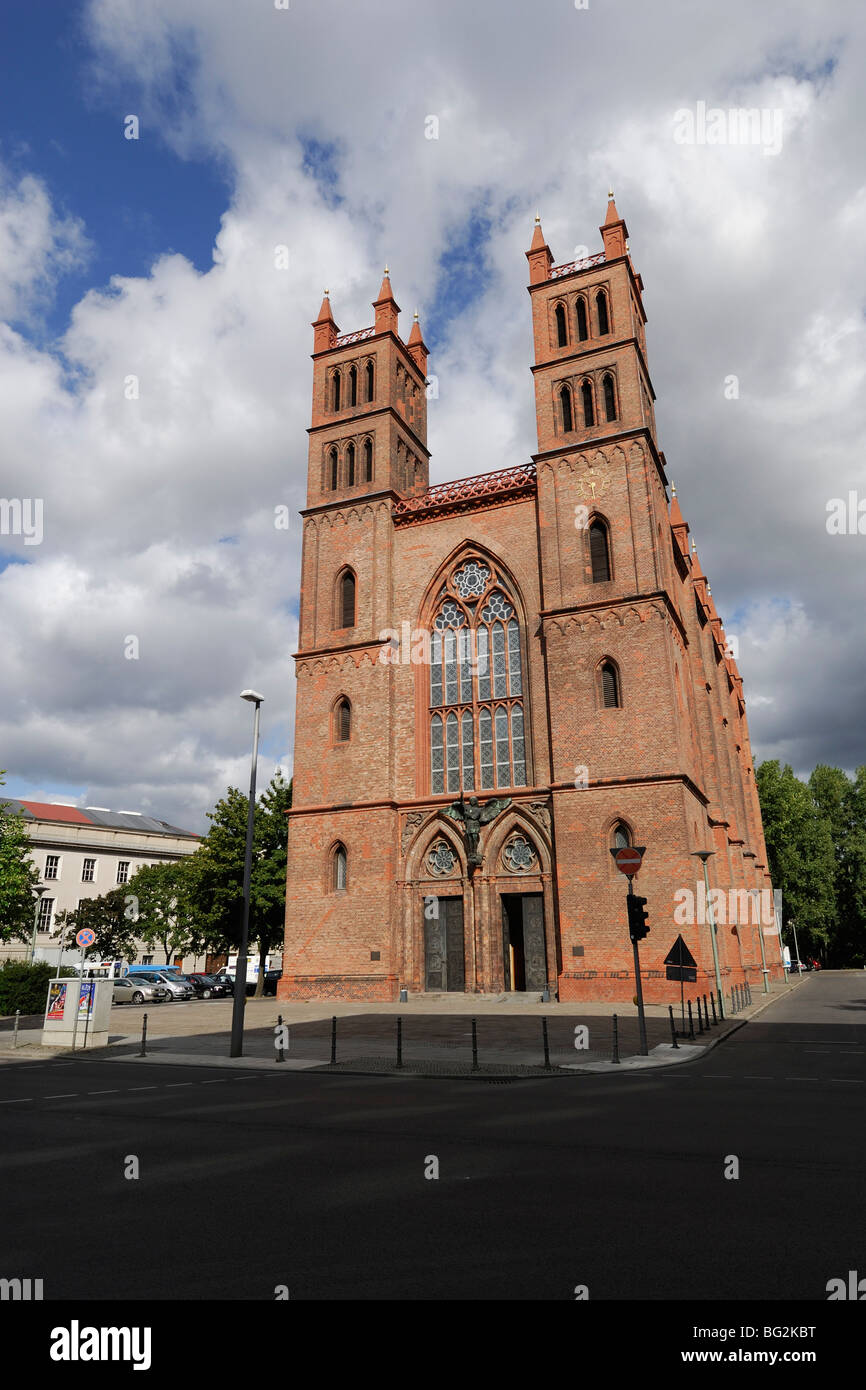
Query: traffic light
[637,917]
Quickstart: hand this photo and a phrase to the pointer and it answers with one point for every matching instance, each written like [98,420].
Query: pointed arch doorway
[524,955]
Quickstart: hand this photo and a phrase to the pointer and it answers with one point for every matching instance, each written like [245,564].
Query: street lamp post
[764,971]
[240,994]
[38,890]
[792,924]
[703,855]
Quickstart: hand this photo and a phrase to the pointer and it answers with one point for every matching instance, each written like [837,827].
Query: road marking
[142,1088]
[173,1085]
[67,1095]
[22,1099]
[103,1093]
[216,1082]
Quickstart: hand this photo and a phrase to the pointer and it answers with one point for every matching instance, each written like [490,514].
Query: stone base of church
[381,988]
[618,986]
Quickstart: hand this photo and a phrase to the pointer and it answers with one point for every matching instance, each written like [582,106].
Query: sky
[154,350]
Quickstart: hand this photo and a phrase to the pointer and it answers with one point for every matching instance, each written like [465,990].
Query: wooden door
[534,953]
[444,967]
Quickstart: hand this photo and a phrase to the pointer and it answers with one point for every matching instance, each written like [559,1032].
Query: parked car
[132,989]
[209,986]
[271,978]
[798,967]
[178,986]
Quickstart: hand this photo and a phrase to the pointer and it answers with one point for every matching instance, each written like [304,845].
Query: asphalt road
[250,1180]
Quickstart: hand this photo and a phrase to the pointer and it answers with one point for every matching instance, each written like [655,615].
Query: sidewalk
[436,1036]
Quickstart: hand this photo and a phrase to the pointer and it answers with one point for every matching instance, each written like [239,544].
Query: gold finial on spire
[673,489]
[694,545]
[326,293]
[387,271]
[415,316]
[538,219]
[610,193]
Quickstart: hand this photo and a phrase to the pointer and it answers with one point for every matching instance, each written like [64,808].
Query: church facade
[502,678]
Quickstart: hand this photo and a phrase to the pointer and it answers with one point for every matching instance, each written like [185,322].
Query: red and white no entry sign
[629,860]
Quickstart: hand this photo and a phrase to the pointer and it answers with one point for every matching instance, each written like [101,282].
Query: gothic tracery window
[519,855]
[477,728]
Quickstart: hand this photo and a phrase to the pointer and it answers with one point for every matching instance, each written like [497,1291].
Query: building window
[368,460]
[343,721]
[350,465]
[123,871]
[441,859]
[477,733]
[599,552]
[147,960]
[339,869]
[565,405]
[370,380]
[588,407]
[610,693]
[88,871]
[46,913]
[346,599]
[353,386]
[609,398]
[519,855]
[333,469]
[336,383]
[621,836]
[52,866]
[561,326]
[601,308]
[582,325]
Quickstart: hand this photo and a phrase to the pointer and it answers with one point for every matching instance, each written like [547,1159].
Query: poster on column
[56,1000]
[85,1000]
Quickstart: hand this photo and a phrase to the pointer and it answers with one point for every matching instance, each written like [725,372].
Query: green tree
[801,856]
[217,871]
[111,921]
[842,801]
[18,876]
[164,913]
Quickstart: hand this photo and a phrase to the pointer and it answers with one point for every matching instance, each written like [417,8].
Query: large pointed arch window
[477,725]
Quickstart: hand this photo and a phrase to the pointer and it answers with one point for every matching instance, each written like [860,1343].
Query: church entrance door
[523,950]
[444,968]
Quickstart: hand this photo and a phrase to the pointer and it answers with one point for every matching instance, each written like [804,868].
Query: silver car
[130,989]
[178,986]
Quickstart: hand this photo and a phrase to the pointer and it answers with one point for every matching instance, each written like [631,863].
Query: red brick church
[541,638]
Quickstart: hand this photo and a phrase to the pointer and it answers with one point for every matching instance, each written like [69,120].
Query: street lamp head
[702,854]
[39,889]
[253,697]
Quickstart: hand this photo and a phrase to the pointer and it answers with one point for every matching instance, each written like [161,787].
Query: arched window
[565,406]
[346,599]
[339,869]
[343,721]
[369,373]
[333,468]
[610,693]
[609,397]
[588,407]
[477,732]
[353,386]
[582,324]
[620,836]
[368,460]
[350,465]
[599,552]
[561,326]
[336,383]
[601,310]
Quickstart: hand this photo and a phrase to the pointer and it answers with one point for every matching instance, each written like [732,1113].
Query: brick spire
[325,328]
[679,525]
[613,231]
[539,255]
[417,348]
[386,306]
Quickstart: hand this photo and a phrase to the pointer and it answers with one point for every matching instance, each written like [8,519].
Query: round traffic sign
[628,861]
[85,937]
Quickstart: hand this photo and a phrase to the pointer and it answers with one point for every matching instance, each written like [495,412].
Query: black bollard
[691,1021]
[143,1052]
[546,1041]
[333,1040]
[713,1002]
[721,1007]
[673,1026]
[281,1056]
[706,1014]
[615,1057]
[474,1045]
[700,1018]
[399,1042]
